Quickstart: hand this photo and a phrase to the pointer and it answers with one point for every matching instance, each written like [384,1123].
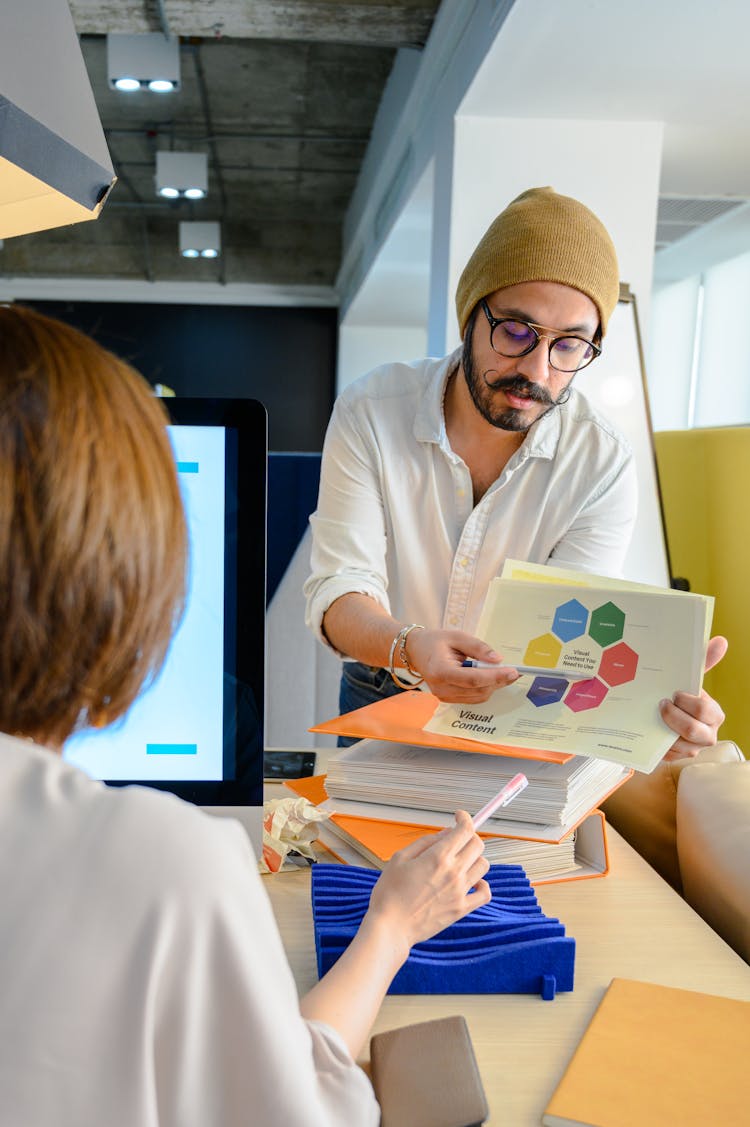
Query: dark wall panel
[285,357]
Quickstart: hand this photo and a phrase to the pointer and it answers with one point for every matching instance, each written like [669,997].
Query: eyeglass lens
[515,338]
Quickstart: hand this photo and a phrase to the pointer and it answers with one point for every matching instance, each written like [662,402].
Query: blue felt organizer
[505,947]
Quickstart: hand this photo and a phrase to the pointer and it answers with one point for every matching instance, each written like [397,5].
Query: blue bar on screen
[171,749]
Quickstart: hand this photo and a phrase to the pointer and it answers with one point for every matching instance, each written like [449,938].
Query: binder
[378,839]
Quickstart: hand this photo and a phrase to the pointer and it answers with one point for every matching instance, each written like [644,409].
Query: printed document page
[613,653]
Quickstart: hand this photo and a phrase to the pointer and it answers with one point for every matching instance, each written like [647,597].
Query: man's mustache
[518,385]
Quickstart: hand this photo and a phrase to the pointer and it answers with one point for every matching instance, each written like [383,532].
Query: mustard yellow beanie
[542,237]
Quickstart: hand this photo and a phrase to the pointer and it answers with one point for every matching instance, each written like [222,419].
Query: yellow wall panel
[704,476]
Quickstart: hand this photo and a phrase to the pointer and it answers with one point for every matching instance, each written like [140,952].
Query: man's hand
[437,655]
[695,719]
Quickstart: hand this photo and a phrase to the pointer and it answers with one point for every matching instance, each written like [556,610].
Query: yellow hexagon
[543,651]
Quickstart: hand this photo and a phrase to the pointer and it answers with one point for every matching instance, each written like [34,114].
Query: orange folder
[401,719]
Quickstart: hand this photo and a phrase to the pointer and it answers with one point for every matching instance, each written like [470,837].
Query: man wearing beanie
[434,472]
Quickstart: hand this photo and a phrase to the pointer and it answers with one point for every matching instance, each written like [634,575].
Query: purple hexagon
[547,690]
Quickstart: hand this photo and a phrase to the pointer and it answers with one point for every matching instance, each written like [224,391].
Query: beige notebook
[426,1075]
[656,1056]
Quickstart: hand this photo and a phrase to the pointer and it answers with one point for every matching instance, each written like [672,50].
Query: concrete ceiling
[280,95]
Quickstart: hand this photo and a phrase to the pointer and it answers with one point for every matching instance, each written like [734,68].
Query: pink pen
[502,798]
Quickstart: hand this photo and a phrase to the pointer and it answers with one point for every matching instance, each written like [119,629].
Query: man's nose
[535,364]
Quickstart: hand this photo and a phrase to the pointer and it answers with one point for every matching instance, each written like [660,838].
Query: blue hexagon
[547,690]
[570,620]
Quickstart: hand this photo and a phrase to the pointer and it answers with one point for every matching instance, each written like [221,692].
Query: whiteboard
[615,384]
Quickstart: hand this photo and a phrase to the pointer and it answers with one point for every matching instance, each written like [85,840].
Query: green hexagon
[607,624]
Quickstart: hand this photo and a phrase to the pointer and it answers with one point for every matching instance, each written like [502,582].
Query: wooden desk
[629,924]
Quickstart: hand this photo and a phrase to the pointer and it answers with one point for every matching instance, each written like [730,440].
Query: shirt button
[460,492]
[454,620]
[464,562]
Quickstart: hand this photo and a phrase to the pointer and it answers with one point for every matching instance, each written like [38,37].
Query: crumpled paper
[289,830]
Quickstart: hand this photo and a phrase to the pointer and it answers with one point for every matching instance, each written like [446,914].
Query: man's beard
[481,389]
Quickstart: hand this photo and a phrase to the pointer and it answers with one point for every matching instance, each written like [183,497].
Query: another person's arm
[425,887]
[359,626]
[347,592]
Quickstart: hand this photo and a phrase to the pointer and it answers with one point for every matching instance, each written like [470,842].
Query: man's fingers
[715,651]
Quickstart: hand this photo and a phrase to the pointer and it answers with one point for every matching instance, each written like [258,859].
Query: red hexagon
[619,664]
[585,694]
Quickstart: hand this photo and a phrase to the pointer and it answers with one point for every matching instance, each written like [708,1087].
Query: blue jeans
[361,685]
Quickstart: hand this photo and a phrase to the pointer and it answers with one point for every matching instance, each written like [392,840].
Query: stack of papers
[406,783]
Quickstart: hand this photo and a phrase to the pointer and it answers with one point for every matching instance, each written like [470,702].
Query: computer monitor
[198,730]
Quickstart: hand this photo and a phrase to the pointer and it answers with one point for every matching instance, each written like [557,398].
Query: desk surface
[629,924]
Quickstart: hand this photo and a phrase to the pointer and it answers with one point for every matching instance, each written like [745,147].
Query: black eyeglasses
[513,338]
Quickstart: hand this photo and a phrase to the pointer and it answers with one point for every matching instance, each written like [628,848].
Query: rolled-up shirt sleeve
[348,527]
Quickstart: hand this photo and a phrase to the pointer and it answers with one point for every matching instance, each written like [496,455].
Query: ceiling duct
[678,216]
[54,164]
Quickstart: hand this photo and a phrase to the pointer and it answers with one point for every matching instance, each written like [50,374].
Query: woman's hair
[93,542]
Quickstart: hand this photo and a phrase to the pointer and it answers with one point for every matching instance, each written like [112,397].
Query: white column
[364,347]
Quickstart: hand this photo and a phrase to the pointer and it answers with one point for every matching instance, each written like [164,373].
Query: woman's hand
[432,883]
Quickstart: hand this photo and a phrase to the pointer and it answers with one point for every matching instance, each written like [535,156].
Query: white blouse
[142,977]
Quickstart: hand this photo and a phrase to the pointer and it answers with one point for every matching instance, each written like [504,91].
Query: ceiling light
[200,240]
[143,62]
[181,174]
[54,165]
[162,85]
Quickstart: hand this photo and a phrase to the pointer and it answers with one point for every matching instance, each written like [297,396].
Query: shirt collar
[429,421]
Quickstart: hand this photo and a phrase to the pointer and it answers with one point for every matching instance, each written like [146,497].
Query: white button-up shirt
[396,518]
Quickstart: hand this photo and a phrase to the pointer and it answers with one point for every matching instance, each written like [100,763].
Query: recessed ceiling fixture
[181,175]
[143,62]
[200,240]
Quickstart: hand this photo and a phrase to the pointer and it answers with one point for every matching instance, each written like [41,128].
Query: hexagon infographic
[544,651]
[586,694]
[570,621]
[581,638]
[547,690]
[619,664]
[607,624]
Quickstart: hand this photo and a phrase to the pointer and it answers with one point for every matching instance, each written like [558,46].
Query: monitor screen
[198,729]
